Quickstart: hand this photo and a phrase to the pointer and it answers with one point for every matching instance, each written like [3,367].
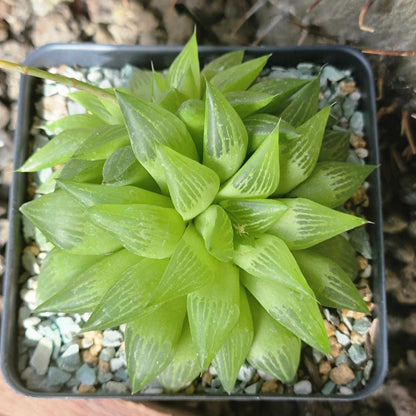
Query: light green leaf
[331,285]
[58,150]
[190,267]
[171,100]
[146,230]
[192,113]
[307,223]
[259,126]
[84,292]
[58,269]
[298,158]
[64,221]
[213,311]
[304,105]
[259,176]
[192,186]
[235,348]
[215,228]
[91,194]
[332,183]
[99,107]
[253,216]
[160,85]
[49,185]
[150,342]
[78,170]
[248,102]
[269,258]
[282,89]
[184,72]
[335,146]
[221,63]
[74,121]
[298,313]
[129,296]
[103,142]
[122,168]
[184,366]
[239,77]
[141,83]
[225,137]
[340,250]
[149,124]
[275,350]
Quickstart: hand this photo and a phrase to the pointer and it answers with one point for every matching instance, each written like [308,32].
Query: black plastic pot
[86,55]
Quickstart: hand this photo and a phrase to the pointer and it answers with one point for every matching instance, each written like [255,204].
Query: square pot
[87,55]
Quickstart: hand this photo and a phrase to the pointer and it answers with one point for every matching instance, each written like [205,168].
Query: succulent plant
[199,209]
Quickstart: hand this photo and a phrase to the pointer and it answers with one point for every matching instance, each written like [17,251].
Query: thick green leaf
[84,292]
[141,83]
[160,85]
[268,257]
[259,176]
[59,268]
[235,348]
[239,77]
[215,228]
[150,342]
[149,124]
[298,313]
[74,121]
[192,113]
[259,126]
[335,146]
[99,107]
[304,105]
[58,150]
[331,285]
[91,194]
[253,216]
[282,89]
[221,63]
[192,186]
[146,230]
[64,221]
[307,223]
[78,170]
[171,100]
[122,168]
[340,250]
[225,137]
[129,296]
[190,267]
[103,142]
[332,183]
[298,157]
[213,311]
[275,350]
[184,366]
[184,72]
[248,102]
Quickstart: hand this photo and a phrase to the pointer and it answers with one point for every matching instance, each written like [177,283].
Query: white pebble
[345,390]
[265,376]
[41,356]
[116,364]
[31,321]
[366,273]
[361,152]
[303,387]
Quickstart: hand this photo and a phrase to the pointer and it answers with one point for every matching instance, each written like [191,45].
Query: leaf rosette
[199,209]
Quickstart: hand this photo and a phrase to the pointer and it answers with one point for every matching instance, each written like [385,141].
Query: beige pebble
[365,291]
[324,367]
[89,358]
[330,329]
[206,379]
[85,388]
[362,262]
[357,338]
[98,338]
[347,87]
[335,346]
[343,328]
[269,386]
[342,375]
[85,342]
[357,141]
[95,349]
[104,366]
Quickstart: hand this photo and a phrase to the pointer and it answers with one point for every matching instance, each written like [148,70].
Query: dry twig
[389,53]
[363,12]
